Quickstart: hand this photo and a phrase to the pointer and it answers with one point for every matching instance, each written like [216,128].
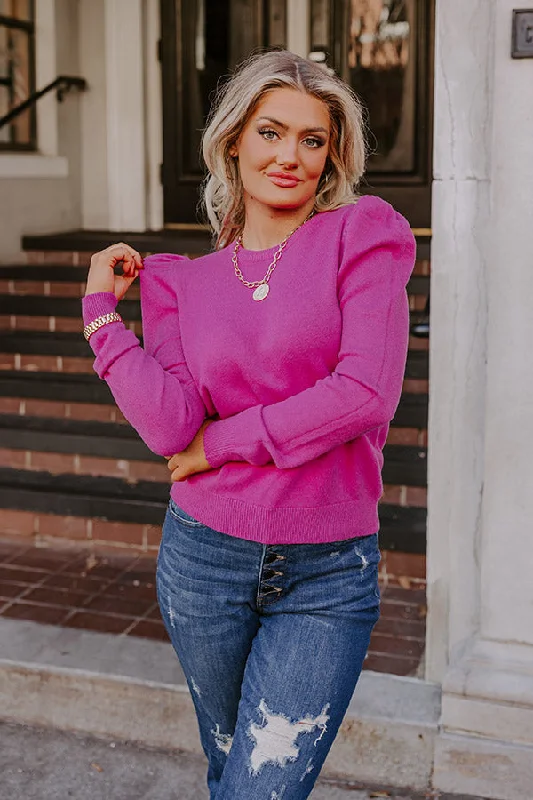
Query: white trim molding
[154,116]
[298,27]
[32,166]
[94,197]
[125,115]
[46,72]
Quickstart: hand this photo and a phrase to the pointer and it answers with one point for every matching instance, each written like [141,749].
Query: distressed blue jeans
[271,639]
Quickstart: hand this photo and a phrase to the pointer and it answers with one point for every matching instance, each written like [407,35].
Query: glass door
[384,50]
[202,40]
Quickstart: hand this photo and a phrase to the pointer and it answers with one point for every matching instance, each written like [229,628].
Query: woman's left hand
[191,460]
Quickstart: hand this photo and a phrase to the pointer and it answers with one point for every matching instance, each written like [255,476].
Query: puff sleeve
[376,259]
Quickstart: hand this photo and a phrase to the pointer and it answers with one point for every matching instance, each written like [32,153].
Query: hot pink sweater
[303,384]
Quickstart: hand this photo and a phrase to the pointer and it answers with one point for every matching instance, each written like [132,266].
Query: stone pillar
[480,522]
[298,27]
[112,55]
[125,115]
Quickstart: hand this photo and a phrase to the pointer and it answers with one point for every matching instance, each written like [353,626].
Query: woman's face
[282,149]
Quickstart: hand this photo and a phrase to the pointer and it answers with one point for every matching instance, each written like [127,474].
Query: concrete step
[37,305]
[405,465]
[143,502]
[91,496]
[34,305]
[44,272]
[411,413]
[69,679]
[73,244]
[66,344]
[50,273]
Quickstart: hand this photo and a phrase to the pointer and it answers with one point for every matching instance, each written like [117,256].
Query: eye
[313,142]
[268,134]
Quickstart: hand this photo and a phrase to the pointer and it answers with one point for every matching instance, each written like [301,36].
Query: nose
[287,155]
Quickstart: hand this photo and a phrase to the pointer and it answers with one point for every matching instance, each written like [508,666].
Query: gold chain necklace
[261,287]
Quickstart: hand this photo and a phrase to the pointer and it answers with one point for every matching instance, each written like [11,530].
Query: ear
[233,150]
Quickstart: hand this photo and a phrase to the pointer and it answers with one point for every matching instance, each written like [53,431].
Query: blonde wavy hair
[223,197]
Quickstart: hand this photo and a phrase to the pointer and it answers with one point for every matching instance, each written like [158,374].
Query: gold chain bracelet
[99,322]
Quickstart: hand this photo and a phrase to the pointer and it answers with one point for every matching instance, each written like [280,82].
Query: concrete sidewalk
[132,689]
[131,693]
[39,764]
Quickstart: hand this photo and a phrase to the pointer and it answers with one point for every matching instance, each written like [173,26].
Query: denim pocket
[181,516]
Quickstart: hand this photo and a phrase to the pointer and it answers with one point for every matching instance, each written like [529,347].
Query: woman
[270,372]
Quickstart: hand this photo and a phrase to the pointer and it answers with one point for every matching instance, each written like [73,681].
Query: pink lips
[283,179]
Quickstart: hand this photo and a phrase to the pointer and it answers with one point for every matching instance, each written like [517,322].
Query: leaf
[97,767]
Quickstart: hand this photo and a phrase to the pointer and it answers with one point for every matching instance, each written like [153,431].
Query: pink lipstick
[283,179]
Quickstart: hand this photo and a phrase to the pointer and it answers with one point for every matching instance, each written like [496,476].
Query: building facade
[124,155]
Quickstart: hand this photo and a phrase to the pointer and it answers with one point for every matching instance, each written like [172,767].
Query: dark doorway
[202,40]
[384,50]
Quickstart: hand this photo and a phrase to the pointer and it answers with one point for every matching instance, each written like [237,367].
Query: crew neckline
[259,255]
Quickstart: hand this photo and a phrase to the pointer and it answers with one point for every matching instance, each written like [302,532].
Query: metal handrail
[63,84]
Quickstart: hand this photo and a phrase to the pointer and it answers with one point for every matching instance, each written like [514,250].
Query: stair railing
[62,84]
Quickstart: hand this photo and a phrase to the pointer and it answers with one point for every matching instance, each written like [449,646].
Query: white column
[463,88]
[480,525]
[94,155]
[125,115]
[46,72]
[121,115]
[507,563]
[154,116]
[298,27]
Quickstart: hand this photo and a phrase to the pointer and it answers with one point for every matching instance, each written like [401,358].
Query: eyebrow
[284,127]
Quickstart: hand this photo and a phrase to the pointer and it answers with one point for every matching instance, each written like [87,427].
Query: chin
[287,199]
[287,206]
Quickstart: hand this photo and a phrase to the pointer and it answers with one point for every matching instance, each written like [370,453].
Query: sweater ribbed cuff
[97,304]
[219,439]
[236,438]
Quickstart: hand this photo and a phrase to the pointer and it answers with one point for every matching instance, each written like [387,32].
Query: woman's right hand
[102,277]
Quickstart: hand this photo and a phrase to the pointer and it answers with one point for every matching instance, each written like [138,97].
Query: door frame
[408,193]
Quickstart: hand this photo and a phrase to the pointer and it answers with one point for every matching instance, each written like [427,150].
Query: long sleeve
[376,259]
[151,385]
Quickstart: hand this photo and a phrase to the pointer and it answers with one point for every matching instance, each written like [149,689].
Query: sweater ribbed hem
[276,525]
